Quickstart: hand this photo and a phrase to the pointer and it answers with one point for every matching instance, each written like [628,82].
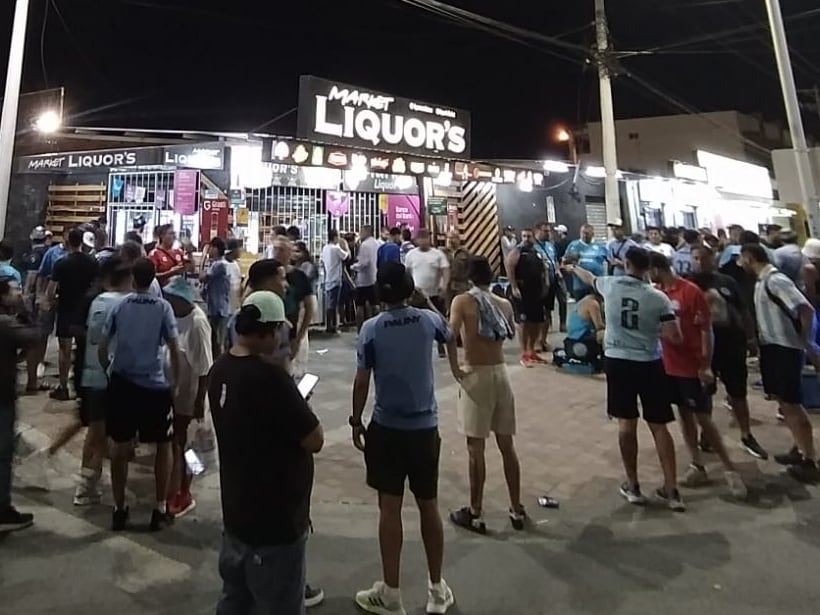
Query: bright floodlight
[563,135]
[48,122]
[555,166]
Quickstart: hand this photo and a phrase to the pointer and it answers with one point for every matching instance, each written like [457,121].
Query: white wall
[672,137]
[785,172]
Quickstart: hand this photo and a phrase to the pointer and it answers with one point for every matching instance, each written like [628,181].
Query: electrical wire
[75,42]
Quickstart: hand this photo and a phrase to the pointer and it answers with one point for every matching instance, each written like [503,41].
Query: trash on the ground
[717,586]
[546,501]
[322,351]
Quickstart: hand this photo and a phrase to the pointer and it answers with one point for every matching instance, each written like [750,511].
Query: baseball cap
[180,287]
[89,239]
[270,306]
[617,222]
[561,228]
[811,249]
[38,233]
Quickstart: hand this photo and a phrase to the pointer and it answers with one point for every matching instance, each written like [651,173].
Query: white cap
[811,249]
[561,228]
[89,240]
[615,222]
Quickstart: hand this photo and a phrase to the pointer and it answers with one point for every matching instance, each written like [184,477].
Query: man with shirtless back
[485,398]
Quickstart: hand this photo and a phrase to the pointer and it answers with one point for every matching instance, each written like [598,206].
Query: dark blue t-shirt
[388,253]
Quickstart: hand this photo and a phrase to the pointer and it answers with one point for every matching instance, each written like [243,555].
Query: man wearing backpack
[528,288]
[784,320]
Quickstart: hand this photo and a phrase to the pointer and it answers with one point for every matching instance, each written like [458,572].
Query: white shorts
[486,403]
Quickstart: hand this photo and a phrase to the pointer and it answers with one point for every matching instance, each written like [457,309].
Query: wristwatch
[354,422]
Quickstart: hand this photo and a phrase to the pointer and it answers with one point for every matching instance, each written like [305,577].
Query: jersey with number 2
[634,313]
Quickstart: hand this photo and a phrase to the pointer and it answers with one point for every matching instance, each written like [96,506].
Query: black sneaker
[119,519]
[704,445]
[465,518]
[442,352]
[632,494]
[314,596]
[791,458]
[671,499]
[12,520]
[160,520]
[805,471]
[60,394]
[518,519]
[752,446]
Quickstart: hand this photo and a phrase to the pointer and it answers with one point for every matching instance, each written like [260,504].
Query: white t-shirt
[427,267]
[661,248]
[333,256]
[367,264]
[235,276]
[195,358]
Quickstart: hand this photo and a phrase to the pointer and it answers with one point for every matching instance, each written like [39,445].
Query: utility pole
[8,121]
[613,198]
[799,146]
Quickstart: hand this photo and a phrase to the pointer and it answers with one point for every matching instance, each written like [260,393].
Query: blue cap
[180,287]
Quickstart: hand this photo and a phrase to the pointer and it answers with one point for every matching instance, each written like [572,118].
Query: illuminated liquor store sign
[352,116]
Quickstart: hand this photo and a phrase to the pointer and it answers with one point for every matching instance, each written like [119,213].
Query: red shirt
[685,359]
[165,260]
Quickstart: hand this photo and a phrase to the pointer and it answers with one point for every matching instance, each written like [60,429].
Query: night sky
[233,65]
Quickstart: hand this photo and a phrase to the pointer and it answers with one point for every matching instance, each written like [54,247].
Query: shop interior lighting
[599,172]
[556,166]
[48,122]
[403,182]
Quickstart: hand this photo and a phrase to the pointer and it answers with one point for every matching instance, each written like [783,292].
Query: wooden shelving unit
[72,205]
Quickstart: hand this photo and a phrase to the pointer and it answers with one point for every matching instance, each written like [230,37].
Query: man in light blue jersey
[637,316]
[682,258]
[401,443]
[587,253]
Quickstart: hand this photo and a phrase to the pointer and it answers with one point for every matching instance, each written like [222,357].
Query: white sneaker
[736,485]
[439,598]
[377,600]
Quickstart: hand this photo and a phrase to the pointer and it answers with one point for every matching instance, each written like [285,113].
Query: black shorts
[530,309]
[782,372]
[65,326]
[93,405]
[688,394]
[628,381]
[366,295]
[549,300]
[393,456]
[137,411]
[729,366]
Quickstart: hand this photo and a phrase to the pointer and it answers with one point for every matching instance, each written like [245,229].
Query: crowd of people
[665,318]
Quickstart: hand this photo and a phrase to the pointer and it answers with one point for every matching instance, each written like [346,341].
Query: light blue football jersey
[634,311]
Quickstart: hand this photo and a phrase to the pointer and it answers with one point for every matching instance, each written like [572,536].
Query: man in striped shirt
[784,320]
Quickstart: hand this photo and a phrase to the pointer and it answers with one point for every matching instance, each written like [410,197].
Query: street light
[48,122]
[565,135]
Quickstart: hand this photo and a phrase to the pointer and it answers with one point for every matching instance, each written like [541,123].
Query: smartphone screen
[307,384]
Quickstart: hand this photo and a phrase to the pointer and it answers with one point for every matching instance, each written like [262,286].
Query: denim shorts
[262,579]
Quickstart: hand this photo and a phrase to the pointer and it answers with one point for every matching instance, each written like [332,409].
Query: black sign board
[84,162]
[348,115]
[203,156]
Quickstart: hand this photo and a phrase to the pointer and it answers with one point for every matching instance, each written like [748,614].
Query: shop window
[653,217]
[689,219]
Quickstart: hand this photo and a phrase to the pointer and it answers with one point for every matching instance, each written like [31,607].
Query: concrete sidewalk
[594,555]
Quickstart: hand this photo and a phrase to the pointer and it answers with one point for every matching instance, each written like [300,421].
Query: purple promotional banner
[186,185]
[338,203]
[403,211]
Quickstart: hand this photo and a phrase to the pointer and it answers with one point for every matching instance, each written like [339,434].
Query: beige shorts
[486,402]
